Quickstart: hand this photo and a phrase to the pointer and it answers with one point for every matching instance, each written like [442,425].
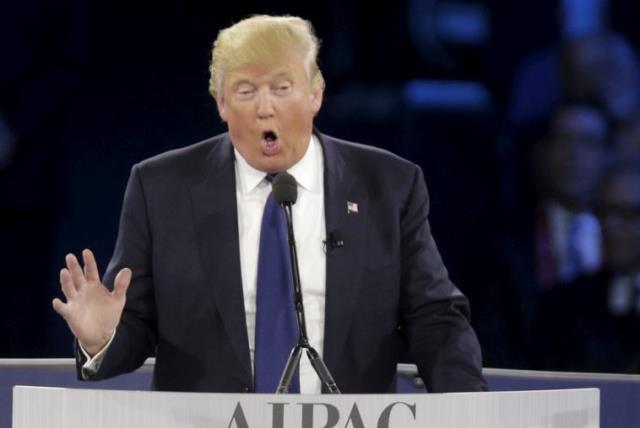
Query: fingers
[76,271]
[121,283]
[66,282]
[60,308]
[90,267]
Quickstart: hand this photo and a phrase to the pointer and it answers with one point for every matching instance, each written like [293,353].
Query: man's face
[269,111]
[620,213]
[573,157]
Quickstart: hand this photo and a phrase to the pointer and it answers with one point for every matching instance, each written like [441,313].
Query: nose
[265,105]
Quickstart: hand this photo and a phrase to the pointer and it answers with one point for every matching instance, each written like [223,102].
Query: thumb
[121,283]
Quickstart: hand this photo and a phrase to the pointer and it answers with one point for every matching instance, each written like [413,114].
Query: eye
[245,92]
[282,88]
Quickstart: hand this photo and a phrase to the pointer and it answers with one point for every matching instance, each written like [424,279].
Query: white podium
[81,408]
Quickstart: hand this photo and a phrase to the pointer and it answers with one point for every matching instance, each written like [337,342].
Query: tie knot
[270,177]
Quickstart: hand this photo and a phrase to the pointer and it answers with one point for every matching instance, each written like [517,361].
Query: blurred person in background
[568,165]
[620,211]
[590,61]
[559,237]
[605,67]
[627,138]
[538,82]
[593,322]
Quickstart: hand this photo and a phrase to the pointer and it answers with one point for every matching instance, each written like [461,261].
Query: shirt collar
[248,177]
[307,171]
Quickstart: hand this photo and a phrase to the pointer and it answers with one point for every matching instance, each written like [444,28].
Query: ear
[316,100]
[221,108]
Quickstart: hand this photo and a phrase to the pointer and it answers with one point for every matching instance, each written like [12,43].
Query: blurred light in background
[580,17]
[446,95]
[435,25]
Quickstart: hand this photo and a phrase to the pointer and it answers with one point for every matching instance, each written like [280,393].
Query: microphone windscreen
[285,189]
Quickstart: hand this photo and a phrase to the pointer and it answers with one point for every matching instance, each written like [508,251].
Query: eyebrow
[240,82]
[243,80]
[281,74]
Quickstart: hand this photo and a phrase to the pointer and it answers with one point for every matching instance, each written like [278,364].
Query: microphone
[284,189]
[334,240]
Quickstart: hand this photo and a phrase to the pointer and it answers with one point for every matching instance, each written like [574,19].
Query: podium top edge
[51,363]
[595,391]
[403,369]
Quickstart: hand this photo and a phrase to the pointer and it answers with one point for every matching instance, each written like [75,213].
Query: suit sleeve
[136,334]
[441,340]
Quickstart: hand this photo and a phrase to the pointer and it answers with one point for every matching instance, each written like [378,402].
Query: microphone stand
[303,341]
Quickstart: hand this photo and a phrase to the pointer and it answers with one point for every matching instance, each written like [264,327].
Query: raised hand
[91,310]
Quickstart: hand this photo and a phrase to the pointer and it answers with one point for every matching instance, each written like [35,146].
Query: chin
[272,167]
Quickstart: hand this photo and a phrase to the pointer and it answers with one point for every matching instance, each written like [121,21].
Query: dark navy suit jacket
[179,235]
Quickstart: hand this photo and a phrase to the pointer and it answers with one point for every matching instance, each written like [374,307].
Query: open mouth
[270,143]
[269,136]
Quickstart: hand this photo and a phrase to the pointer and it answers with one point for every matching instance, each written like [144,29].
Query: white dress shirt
[576,242]
[252,191]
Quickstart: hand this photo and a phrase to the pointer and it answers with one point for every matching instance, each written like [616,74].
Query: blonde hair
[264,40]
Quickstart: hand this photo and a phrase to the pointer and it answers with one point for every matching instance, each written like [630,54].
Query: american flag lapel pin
[352,207]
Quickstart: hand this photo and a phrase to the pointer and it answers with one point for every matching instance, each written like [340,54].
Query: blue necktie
[276,330]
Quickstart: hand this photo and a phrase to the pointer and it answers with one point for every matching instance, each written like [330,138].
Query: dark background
[89,88]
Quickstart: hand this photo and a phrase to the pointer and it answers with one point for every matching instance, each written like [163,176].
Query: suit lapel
[216,222]
[344,265]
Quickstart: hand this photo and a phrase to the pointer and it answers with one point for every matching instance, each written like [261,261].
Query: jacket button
[246,388]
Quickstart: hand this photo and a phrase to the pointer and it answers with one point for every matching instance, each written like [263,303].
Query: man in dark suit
[189,230]
[593,322]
